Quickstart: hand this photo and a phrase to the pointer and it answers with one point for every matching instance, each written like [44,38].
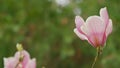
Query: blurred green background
[45,28]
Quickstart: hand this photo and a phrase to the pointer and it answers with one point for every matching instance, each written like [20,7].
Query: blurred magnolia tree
[45,28]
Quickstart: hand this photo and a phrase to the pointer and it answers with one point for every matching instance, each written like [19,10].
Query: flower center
[96,41]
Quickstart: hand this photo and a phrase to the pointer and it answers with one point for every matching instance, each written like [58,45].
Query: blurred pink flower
[95,29]
[18,62]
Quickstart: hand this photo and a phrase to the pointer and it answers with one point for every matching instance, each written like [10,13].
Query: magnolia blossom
[21,59]
[95,29]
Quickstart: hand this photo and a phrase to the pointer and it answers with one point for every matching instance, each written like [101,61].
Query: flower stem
[20,60]
[19,48]
[96,57]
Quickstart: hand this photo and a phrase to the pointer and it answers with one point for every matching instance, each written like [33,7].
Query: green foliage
[46,32]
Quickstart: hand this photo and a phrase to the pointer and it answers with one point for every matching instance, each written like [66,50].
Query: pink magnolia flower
[95,29]
[18,62]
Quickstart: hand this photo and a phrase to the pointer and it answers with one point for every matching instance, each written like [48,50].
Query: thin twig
[20,59]
[96,57]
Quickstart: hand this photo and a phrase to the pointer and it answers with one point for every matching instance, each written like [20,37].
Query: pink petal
[10,62]
[31,64]
[109,27]
[104,15]
[78,21]
[80,35]
[94,29]
[25,59]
